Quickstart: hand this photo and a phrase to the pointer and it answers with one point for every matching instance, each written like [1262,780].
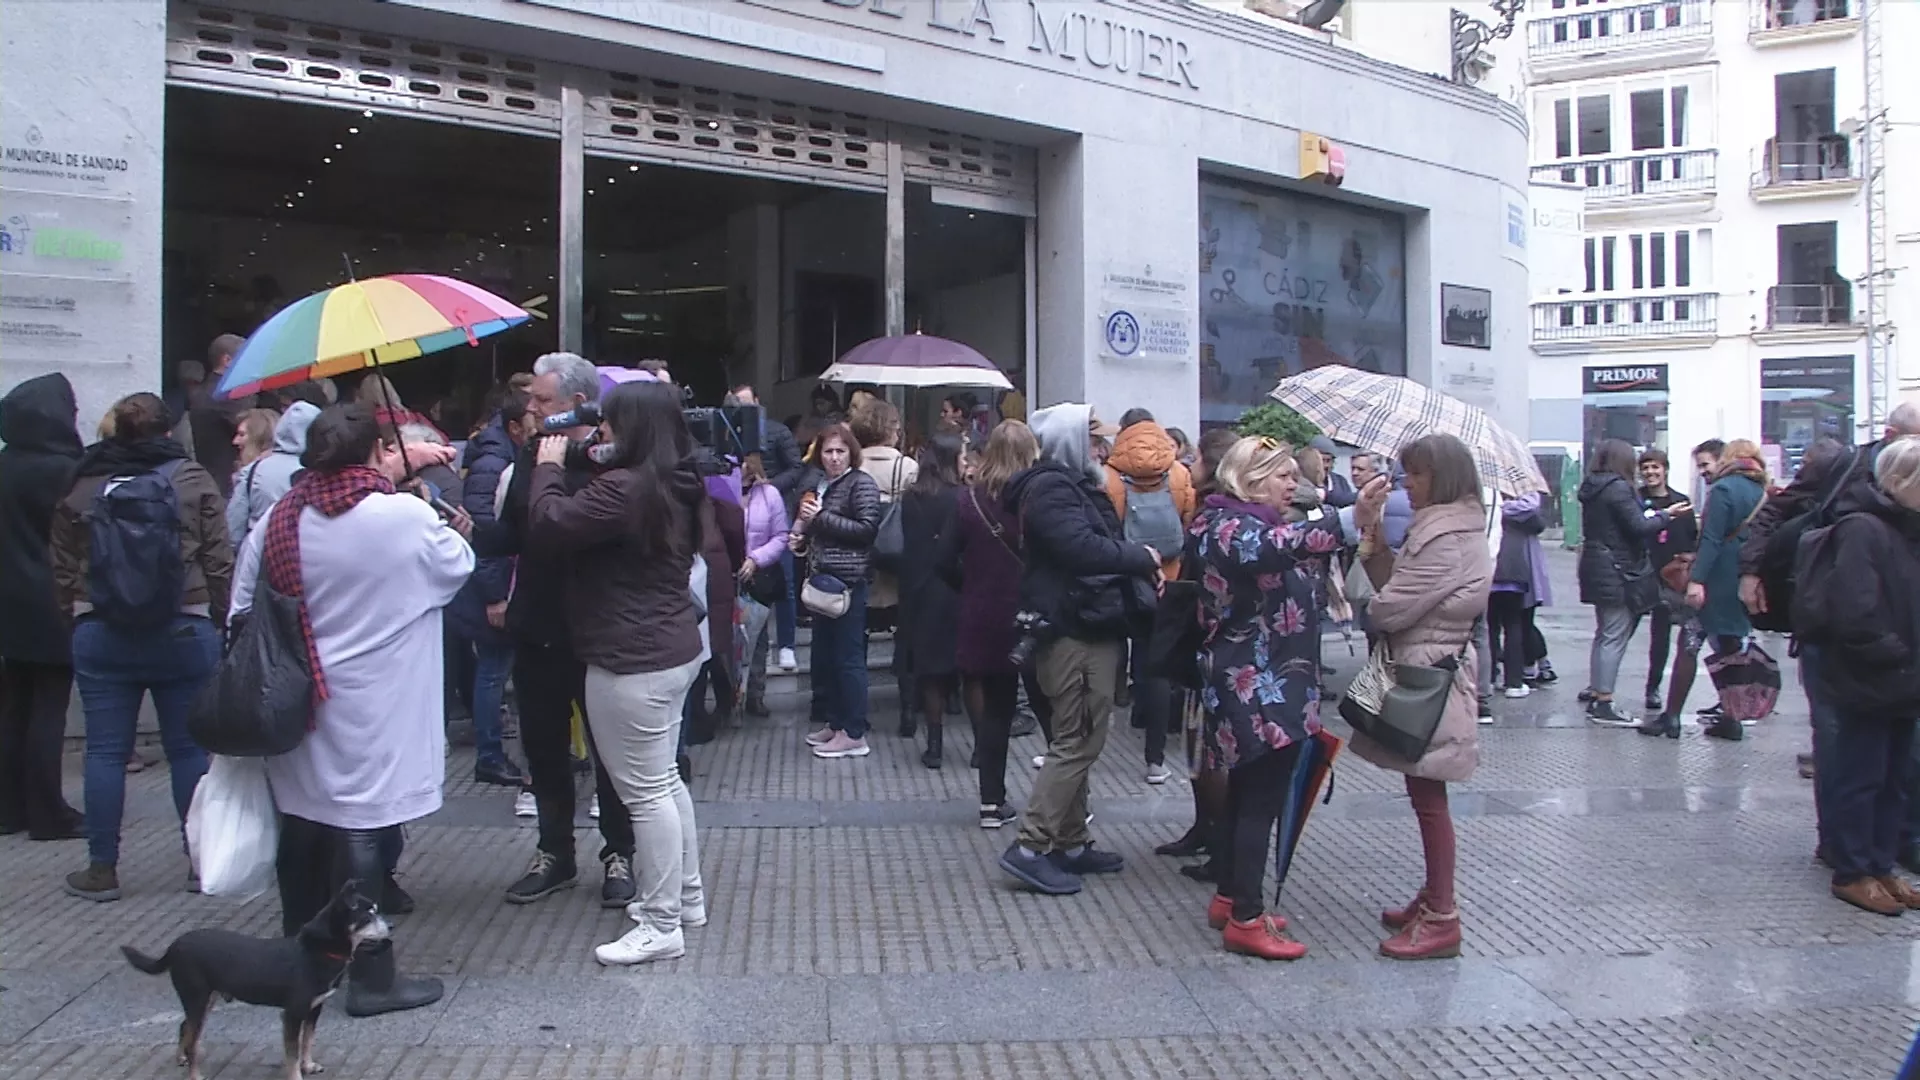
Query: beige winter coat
[1428,599]
[895,473]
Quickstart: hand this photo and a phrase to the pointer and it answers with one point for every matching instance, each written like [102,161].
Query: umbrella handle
[393,410]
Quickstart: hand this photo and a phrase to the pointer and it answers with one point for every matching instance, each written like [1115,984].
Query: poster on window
[1290,282]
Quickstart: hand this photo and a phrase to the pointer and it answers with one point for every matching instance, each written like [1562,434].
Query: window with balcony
[1658,150]
[1805,148]
[1783,14]
[1811,290]
[1636,284]
[1573,27]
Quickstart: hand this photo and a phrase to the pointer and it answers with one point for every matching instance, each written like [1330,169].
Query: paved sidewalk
[1633,907]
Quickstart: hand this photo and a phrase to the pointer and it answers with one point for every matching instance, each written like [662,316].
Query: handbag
[768,585]
[1399,705]
[1111,605]
[1174,643]
[1748,681]
[890,540]
[1678,572]
[826,596]
[1640,588]
[259,702]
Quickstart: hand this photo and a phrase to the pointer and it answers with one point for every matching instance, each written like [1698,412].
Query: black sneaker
[1661,724]
[1588,697]
[1730,730]
[992,817]
[1091,860]
[1543,675]
[1604,714]
[394,899]
[1711,712]
[617,891]
[1038,872]
[545,876]
[503,773]
[1654,702]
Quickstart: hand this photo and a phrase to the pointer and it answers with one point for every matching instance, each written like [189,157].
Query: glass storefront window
[1628,402]
[1803,400]
[1290,282]
[966,281]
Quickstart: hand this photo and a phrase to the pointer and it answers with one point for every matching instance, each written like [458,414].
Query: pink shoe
[841,747]
[821,737]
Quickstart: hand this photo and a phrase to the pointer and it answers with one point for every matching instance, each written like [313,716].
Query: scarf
[333,494]
[1755,471]
[1260,510]
[113,457]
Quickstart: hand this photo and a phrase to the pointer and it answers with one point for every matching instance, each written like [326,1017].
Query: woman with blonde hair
[980,556]
[1260,668]
[253,436]
[1717,619]
[1427,600]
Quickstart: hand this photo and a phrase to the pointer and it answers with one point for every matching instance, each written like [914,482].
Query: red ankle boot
[1430,936]
[1264,937]
[1220,912]
[1398,920]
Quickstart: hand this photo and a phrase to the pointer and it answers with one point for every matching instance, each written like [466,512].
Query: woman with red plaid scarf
[372,569]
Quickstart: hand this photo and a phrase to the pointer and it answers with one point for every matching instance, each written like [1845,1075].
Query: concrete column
[573,214]
[896,258]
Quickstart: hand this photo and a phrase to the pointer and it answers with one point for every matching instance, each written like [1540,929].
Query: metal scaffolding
[1879,279]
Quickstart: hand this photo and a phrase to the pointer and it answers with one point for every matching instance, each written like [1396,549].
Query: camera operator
[1083,580]
[631,537]
[547,676]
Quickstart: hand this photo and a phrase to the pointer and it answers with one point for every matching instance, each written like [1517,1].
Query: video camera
[725,432]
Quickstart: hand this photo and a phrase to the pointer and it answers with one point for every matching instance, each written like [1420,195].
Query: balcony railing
[1769,15]
[1654,173]
[1594,28]
[1782,164]
[1810,305]
[1620,317]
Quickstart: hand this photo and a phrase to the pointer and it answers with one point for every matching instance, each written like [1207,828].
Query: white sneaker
[1519,691]
[525,806]
[1039,761]
[787,661]
[641,945]
[821,737]
[1158,774]
[593,807]
[840,746]
[692,916]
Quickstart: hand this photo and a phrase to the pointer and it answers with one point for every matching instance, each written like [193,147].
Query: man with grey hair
[547,677]
[1809,497]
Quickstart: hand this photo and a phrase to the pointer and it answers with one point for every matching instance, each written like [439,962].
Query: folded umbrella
[1311,772]
[1382,413]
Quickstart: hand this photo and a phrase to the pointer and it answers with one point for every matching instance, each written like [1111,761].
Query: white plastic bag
[233,829]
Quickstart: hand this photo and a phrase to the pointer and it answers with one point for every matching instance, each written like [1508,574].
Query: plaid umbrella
[1382,413]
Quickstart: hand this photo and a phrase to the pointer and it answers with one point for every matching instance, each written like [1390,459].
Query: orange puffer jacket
[1145,453]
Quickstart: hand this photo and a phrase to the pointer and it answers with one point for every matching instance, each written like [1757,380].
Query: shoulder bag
[259,702]
[1399,705]
[890,540]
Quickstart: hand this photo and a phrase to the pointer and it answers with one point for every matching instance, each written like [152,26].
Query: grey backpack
[1151,517]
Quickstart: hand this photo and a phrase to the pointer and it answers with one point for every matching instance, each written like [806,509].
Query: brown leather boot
[1430,936]
[1398,920]
[1264,937]
[1220,913]
[1897,887]
[1868,894]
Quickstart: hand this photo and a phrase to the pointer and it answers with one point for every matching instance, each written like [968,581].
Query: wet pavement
[1632,907]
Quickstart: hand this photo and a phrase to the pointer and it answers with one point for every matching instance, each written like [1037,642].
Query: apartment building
[1726,279]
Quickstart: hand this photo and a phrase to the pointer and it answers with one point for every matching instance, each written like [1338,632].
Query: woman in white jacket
[372,569]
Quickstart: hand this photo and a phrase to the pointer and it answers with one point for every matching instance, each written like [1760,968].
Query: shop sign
[61,321]
[1818,372]
[1144,317]
[1622,380]
[50,234]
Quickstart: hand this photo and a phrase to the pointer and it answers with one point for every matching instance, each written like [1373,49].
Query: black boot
[1192,844]
[1664,724]
[936,737]
[375,987]
[1723,728]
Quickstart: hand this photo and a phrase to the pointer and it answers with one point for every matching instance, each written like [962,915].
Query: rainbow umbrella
[365,324]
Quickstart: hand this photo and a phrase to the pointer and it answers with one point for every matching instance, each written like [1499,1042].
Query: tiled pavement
[1633,907]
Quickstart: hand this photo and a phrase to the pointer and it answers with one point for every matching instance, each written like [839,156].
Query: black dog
[295,974]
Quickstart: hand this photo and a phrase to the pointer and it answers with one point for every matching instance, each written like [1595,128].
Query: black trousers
[1659,647]
[991,701]
[1256,794]
[1152,702]
[33,723]
[547,681]
[314,860]
[1508,620]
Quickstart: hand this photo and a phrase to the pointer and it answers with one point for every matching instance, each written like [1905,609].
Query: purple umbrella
[916,360]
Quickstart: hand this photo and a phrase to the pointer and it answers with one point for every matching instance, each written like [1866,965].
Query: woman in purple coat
[981,558]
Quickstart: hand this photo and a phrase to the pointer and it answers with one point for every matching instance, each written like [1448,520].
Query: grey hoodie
[1063,431]
[258,486]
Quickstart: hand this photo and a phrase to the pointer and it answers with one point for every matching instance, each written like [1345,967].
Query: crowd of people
[628,587]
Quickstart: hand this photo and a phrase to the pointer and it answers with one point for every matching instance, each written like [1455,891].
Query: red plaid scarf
[332,494]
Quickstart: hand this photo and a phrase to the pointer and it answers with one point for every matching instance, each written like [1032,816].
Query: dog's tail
[144,962]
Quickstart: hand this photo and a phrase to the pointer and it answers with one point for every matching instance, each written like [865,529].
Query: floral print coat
[1259,577]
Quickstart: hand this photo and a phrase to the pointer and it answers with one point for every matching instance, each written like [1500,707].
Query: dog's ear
[348,889]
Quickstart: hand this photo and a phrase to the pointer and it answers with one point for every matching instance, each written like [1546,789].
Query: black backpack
[136,577]
[1780,562]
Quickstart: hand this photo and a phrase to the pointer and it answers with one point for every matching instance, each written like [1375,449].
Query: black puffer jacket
[36,471]
[1617,532]
[840,537]
[1071,532]
[1870,655]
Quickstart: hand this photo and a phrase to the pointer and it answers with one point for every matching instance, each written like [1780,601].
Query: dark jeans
[1152,703]
[1256,795]
[548,681]
[785,609]
[1825,719]
[1867,793]
[115,669]
[991,701]
[839,667]
[1659,647]
[493,665]
[33,721]
[1508,620]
